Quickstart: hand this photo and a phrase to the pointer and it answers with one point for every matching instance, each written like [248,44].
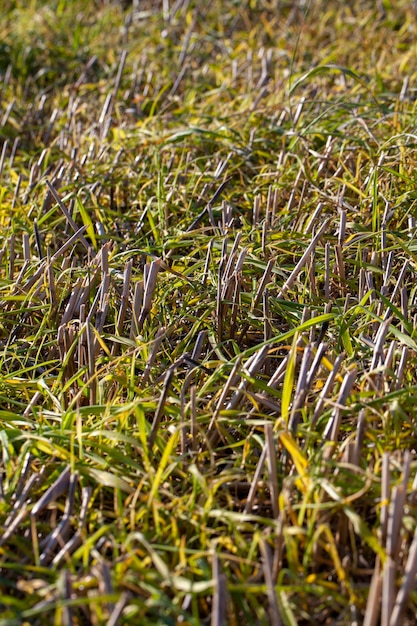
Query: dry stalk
[219,605]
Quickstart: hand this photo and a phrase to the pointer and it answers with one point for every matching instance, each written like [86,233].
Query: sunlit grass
[207,290]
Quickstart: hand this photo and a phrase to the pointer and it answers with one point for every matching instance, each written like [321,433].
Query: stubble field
[208,313]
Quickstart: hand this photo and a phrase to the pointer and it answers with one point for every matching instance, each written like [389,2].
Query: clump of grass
[207,270]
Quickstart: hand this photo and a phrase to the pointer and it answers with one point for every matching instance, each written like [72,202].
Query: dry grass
[208,304]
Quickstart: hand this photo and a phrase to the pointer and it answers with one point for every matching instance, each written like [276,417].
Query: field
[208,305]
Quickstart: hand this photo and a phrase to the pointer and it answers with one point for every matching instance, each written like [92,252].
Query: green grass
[207,323]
